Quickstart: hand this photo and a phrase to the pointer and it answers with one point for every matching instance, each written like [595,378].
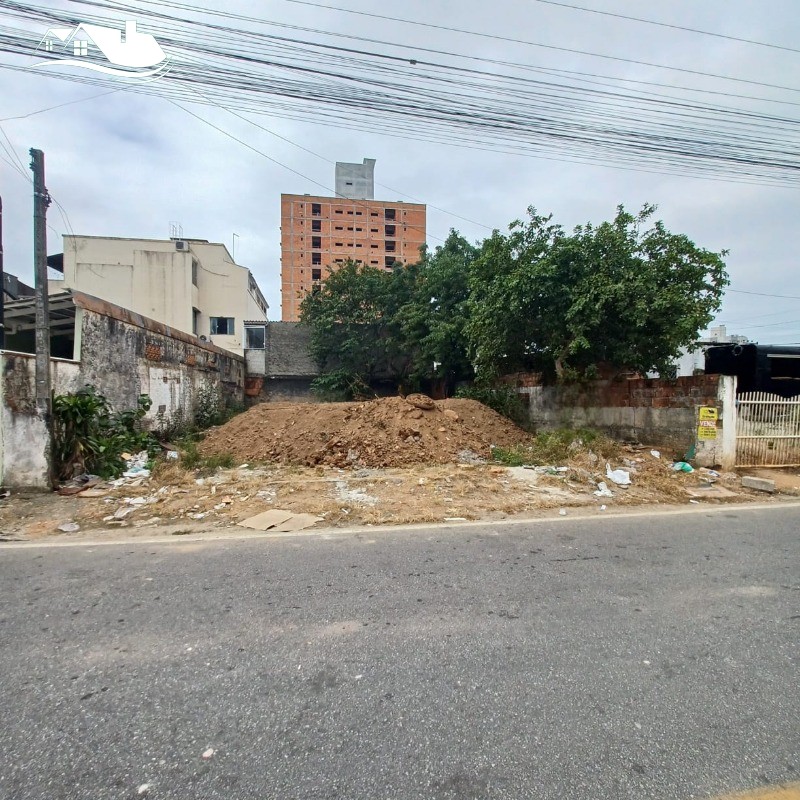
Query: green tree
[433,323]
[621,293]
[355,332]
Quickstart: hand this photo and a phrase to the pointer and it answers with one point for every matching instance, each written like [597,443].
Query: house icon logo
[96,47]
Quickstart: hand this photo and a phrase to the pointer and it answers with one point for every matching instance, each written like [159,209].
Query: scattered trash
[696,502]
[562,512]
[620,476]
[682,466]
[603,490]
[710,472]
[655,453]
[67,491]
[139,501]
[358,496]
[136,472]
[93,493]
[603,508]
[69,527]
[208,753]
[455,519]
[143,789]
[171,455]
[136,466]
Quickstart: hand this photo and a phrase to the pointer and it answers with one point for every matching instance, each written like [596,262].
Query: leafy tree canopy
[627,292]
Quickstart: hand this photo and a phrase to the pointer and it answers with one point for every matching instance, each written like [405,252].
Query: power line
[295,79]
[61,105]
[332,161]
[330,191]
[668,25]
[512,40]
[765,294]
[419,48]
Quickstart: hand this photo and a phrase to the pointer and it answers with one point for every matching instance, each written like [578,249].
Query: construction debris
[760,484]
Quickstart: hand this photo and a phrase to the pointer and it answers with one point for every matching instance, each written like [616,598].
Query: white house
[189,284]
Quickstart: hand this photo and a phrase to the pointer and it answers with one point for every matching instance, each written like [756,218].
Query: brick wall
[652,411]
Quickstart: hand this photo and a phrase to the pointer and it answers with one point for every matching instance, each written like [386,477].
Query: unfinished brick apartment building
[321,233]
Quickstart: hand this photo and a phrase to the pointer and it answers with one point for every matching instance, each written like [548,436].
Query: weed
[217,461]
[190,455]
[557,447]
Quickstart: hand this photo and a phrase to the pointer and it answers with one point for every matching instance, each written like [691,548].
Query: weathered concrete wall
[121,360]
[124,360]
[651,411]
[24,438]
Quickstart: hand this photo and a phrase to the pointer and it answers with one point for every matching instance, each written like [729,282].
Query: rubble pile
[385,432]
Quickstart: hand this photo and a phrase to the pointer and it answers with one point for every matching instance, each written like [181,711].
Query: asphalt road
[636,657]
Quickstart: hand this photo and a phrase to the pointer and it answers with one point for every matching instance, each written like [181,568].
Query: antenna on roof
[175,230]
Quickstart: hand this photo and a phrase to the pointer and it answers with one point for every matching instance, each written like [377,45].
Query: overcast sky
[127,165]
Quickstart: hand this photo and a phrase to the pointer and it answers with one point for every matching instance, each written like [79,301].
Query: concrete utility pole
[2,285]
[41,200]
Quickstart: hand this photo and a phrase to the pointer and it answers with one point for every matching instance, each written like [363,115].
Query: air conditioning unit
[181,245]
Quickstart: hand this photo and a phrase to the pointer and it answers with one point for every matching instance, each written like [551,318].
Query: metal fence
[767,430]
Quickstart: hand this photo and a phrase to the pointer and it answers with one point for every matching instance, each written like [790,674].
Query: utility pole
[41,200]
[2,286]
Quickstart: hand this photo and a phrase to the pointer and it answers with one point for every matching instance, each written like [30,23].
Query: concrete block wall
[121,360]
[651,411]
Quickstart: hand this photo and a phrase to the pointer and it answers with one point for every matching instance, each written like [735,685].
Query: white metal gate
[767,430]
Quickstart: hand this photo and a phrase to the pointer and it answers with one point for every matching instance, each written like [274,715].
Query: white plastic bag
[620,476]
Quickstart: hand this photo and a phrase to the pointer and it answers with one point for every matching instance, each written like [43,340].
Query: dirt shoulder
[388,461]
[176,501]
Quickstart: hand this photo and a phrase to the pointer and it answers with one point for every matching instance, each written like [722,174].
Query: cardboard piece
[277,520]
[297,522]
[267,519]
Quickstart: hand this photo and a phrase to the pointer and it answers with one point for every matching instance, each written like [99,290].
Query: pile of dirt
[386,432]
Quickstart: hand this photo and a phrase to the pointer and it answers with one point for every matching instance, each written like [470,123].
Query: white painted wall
[23,435]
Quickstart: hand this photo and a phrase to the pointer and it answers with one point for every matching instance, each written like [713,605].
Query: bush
[502,399]
[89,437]
[209,409]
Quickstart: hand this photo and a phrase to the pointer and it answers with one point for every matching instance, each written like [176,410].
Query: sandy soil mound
[387,432]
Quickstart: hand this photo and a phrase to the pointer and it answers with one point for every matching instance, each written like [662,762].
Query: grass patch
[217,461]
[558,447]
[191,460]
